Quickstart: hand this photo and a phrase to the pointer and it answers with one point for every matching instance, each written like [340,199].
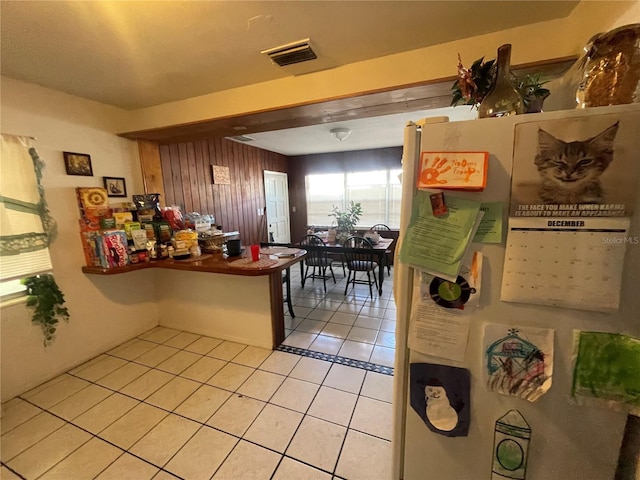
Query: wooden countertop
[212,263]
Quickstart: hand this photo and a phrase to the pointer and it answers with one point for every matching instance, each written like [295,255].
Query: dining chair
[317,258]
[286,281]
[383,230]
[359,257]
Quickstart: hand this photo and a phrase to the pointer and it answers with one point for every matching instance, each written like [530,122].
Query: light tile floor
[354,325]
[170,404]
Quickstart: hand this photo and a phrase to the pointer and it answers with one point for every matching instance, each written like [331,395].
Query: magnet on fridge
[438,205]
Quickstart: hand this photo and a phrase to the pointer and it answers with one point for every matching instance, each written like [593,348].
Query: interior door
[276,191]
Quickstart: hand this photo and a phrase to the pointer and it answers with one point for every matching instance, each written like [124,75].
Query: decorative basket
[212,244]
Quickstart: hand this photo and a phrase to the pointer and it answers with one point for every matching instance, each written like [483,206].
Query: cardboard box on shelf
[114,248]
[90,197]
[89,239]
[129,226]
[92,216]
[122,217]
[139,237]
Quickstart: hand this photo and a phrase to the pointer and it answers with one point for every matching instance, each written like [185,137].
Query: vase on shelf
[503,99]
[535,105]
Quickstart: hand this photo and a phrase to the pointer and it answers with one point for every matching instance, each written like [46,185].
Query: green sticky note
[490,229]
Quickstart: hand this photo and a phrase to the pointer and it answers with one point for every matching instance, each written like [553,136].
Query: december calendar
[571,263]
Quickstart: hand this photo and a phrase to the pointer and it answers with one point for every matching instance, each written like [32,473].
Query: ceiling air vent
[242,138]
[291,53]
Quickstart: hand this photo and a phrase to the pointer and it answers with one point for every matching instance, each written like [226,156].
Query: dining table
[379,250]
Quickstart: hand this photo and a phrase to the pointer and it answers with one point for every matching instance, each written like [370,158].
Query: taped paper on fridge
[518,360]
[440,395]
[607,370]
[441,316]
[437,245]
[453,170]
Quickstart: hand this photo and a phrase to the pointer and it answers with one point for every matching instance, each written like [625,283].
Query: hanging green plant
[47,300]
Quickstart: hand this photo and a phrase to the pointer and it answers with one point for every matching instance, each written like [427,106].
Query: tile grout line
[78,370]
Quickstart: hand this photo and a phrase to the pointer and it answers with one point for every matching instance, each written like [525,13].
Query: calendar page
[566,262]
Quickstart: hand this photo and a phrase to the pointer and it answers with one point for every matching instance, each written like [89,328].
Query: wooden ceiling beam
[406,98]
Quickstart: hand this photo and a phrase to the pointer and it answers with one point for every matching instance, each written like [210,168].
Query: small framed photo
[78,164]
[115,186]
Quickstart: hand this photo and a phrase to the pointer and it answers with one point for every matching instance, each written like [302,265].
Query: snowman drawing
[439,412]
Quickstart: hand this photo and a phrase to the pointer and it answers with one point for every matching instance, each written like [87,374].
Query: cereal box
[114,248]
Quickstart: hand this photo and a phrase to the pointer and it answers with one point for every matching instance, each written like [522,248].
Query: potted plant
[532,92]
[47,300]
[346,220]
[474,83]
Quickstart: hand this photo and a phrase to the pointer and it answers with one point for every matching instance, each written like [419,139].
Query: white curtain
[26,227]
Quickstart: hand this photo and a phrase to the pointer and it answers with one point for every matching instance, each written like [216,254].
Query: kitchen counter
[209,262]
[232,298]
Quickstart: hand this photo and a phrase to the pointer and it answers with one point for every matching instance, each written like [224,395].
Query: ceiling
[135,54]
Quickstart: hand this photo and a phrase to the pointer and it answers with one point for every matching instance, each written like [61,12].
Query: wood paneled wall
[188,182]
[361,160]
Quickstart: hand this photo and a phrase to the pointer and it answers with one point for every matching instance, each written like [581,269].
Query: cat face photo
[580,165]
[570,171]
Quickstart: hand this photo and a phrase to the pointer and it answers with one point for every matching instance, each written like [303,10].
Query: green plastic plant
[531,90]
[347,220]
[47,300]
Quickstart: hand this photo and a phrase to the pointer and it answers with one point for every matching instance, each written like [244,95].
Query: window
[378,191]
[25,223]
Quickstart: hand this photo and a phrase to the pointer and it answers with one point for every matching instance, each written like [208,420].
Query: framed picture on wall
[115,186]
[78,164]
[220,175]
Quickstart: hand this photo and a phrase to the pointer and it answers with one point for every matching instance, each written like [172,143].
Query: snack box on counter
[113,248]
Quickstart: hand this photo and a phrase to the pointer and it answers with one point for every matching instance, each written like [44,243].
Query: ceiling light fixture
[340,133]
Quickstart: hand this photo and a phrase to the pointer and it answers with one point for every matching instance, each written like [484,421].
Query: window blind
[25,265]
[24,219]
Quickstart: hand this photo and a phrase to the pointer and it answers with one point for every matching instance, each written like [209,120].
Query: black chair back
[359,257]
[380,228]
[385,232]
[317,258]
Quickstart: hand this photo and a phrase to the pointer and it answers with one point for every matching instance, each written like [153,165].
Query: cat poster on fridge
[579,167]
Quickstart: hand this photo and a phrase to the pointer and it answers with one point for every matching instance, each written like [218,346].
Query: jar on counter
[611,68]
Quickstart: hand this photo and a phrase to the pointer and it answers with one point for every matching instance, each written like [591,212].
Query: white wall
[105,310]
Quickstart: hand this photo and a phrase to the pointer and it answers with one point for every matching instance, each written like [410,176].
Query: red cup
[255,252]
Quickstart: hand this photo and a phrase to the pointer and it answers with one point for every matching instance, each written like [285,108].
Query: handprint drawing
[429,175]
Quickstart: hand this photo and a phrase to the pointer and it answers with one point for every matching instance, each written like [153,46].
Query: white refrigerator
[558,435]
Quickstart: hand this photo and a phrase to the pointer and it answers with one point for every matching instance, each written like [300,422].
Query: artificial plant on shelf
[346,220]
[44,295]
[532,92]
[474,83]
